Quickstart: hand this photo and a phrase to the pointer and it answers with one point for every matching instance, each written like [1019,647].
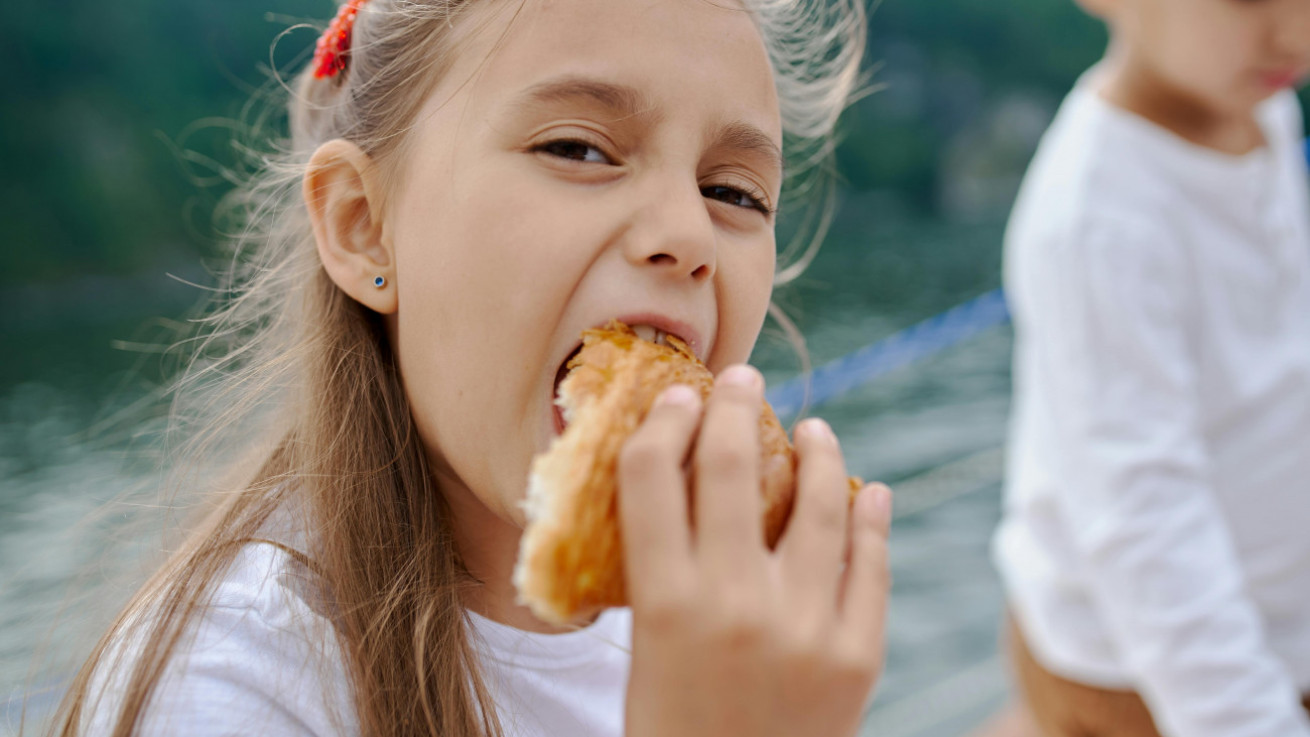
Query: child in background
[468,186]
[1155,545]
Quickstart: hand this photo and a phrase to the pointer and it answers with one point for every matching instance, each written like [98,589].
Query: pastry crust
[570,563]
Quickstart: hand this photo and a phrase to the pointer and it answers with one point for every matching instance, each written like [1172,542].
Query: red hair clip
[334,45]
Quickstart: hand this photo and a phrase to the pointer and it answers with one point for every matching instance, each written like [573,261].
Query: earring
[379,281]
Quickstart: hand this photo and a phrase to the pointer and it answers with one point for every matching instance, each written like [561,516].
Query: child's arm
[728,637]
[1108,317]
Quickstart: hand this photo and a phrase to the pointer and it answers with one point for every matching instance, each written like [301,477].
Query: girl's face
[1227,54]
[582,161]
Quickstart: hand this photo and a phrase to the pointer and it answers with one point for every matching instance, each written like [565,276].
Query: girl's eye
[735,197]
[574,151]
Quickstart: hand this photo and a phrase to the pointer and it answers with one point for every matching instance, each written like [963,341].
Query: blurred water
[942,675]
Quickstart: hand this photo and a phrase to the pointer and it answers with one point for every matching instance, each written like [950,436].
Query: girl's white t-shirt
[569,684]
[263,659]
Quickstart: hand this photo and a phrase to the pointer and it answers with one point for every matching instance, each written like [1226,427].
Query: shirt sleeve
[258,661]
[1111,323]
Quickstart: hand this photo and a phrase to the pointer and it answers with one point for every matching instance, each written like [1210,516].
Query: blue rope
[895,351]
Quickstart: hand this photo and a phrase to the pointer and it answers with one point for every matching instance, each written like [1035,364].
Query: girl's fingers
[868,577]
[816,541]
[653,512]
[727,471]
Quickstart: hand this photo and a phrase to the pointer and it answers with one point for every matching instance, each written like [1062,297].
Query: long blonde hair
[293,392]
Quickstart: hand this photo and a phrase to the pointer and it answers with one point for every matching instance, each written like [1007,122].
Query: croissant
[570,564]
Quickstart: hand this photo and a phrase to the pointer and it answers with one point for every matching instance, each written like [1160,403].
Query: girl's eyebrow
[621,100]
[746,137]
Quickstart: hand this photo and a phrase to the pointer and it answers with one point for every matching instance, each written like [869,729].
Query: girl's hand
[730,638]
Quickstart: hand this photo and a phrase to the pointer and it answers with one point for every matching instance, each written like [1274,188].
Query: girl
[467,187]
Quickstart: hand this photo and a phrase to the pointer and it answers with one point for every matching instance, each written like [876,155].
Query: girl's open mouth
[644,332]
[557,412]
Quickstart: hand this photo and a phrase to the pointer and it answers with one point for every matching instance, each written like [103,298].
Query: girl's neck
[1129,84]
[488,545]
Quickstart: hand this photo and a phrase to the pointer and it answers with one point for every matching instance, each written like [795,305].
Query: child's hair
[293,389]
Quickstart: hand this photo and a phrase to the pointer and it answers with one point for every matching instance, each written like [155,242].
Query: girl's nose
[674,234]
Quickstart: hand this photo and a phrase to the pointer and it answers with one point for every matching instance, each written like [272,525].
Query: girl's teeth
[650,334]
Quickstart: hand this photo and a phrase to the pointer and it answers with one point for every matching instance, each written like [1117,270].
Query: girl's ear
[344,202]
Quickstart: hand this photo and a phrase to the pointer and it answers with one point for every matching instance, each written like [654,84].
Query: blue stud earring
[379,281]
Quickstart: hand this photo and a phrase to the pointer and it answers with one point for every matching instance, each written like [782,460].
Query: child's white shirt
[263,659]
[568,684]
[1157,525]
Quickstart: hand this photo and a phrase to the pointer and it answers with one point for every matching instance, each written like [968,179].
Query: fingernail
[816,429]
[741,375]
[678,395]
[878,506]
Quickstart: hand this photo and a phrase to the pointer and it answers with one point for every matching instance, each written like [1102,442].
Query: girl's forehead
[640,57]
